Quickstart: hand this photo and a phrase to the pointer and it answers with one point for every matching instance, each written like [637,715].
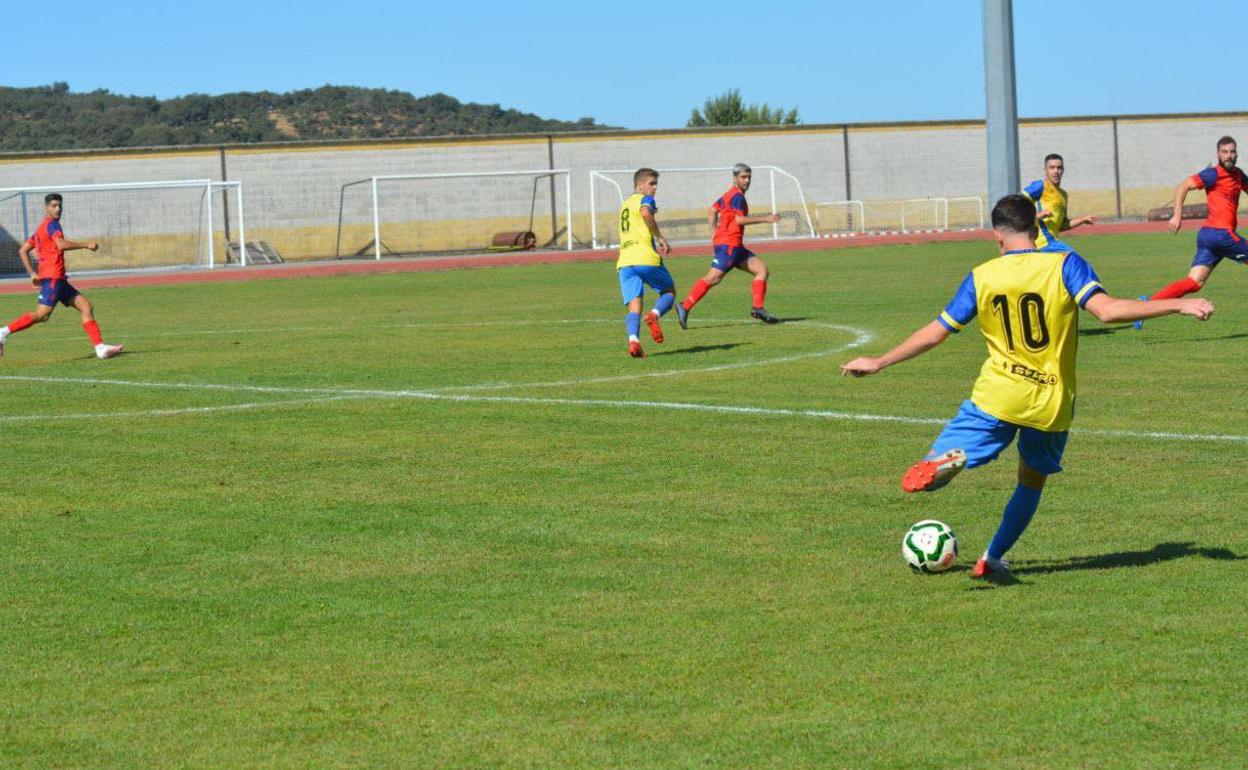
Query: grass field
[442,520]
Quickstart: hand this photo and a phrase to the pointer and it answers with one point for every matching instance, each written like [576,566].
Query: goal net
[138,225]
[416,214]
[685,196]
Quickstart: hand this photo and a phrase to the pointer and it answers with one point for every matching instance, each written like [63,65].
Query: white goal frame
[939,208]
[601,174]
[376,201]
[209,186]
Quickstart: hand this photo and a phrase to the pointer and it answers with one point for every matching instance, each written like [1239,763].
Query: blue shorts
[728,257]
[1213,244]
[54,290]
[633,277]
[983,436]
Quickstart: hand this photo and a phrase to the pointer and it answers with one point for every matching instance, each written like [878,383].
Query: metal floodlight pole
[1002,102]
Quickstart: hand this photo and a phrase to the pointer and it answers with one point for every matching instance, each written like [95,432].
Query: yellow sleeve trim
[951,321]
[1086,290]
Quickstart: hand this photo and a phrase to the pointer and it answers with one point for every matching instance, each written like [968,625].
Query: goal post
[685,196]
[413,214]
[139,225]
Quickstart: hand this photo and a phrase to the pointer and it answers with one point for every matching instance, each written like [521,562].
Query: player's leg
[972,438]
[631,290]
[661,281]
[1212,245]
[42,312]
[79,302]
[758,269]
[721,263]
[1040,456]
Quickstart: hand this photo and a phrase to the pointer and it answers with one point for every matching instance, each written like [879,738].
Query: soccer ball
[930,546]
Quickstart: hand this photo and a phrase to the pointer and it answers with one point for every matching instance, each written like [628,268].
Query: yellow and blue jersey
[1053,199]
[1028,304]
[637,246]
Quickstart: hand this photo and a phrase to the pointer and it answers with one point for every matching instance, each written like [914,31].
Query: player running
[50,244]
[1027,301]
[1216,238]
[1051,200]
[729,216]
[640,264]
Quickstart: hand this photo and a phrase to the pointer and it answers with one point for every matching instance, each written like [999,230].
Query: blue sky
[834,61]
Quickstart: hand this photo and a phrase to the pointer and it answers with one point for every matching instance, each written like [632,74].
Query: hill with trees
[55,118]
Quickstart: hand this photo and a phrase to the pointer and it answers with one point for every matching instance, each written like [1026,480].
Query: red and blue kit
[1217,238]
[54,287]
[729,234]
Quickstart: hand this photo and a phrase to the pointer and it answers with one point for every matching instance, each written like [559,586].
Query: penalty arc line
[861,337]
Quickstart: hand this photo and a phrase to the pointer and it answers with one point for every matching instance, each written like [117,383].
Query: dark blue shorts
[54,290]
[1213,244]
[983,436]
[728,257]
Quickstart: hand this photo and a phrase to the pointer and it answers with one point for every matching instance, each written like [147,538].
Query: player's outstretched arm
[759,220]
[923,340]
[1180,195]
[1090,219]
[1116,309]
[65,244]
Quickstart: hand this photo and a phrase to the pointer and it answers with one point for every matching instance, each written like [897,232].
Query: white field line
[757,411]
[861,337]
[173,412]
[125,336]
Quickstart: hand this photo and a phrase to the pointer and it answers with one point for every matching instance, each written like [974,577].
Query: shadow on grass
[1239,336]
[737,324]
[1101,331]
[699,349]
[1159,553]
[1155,555]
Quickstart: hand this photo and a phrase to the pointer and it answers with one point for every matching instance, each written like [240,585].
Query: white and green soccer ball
[930,546]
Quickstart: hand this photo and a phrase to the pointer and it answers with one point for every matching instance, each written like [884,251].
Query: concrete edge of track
[475,261]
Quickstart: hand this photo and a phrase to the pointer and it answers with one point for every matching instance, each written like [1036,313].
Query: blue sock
[633,322]
[664,304]
[1018,512]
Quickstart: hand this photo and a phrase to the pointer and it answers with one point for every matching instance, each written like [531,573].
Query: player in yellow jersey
[1051,200]
[640,263]
[1027,301]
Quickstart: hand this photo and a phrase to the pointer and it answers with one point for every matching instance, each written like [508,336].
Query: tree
[728,109]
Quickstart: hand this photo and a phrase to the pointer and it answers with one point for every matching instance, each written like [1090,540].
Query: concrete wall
[293,192]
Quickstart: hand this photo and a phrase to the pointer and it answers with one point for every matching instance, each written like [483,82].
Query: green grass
[392,580]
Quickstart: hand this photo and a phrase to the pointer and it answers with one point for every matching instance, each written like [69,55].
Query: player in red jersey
[50,244]
[1216,238]
[729,216]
